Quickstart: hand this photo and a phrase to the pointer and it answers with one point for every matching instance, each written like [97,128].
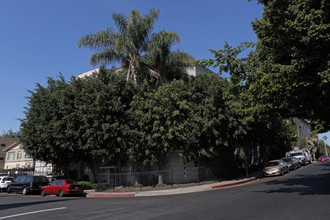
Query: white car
[4,180]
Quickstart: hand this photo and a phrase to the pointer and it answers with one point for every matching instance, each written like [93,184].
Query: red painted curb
[110,195]
[233,184]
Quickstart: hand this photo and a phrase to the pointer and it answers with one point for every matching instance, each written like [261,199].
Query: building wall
[182,172]
[4,142]
[196,70]
[17,158]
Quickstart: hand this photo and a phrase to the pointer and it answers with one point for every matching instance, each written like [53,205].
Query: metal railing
[154,178]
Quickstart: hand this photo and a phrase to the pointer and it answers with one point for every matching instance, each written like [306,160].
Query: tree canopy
[293,52]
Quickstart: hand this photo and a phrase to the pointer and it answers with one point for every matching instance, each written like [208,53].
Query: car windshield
[274,163]
[297,154]
[286,159]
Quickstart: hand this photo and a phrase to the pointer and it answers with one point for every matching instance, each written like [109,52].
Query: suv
[4,180]
[27,184]
[303,160]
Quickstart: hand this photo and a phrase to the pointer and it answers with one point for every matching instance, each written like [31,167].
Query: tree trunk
[136,176]
[95,170]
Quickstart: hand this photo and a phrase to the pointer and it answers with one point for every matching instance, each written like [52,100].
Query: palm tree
[164,64]
[126,45]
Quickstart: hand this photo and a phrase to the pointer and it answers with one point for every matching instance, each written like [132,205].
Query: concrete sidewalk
[224,184]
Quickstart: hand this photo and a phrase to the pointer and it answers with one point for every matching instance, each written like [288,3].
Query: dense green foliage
[190,117]
[106,119]
[81,121]
[294,51]
[262,133]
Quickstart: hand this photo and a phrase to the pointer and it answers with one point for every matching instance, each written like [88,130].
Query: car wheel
[43,192]
[24,191]
[61,193]
[8,189]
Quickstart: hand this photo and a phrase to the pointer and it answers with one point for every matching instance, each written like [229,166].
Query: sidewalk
[224,184]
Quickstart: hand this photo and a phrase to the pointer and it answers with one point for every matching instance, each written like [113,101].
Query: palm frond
[101,40]
[121,22]
[104,58]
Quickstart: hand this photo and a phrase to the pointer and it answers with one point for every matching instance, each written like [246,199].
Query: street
[300,194]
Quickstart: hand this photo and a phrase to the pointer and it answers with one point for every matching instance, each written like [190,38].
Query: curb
[118,195]
[234,184]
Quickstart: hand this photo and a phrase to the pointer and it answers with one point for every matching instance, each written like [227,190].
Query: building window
[3,145]
[19,155]
[27,156]
[11,156]
[1,158]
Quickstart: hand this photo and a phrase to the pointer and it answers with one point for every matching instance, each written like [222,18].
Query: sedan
[63,187]
[276,167]
[324,158]
[292,162]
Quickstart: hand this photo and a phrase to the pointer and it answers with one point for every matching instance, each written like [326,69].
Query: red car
[324,158]
[63,187]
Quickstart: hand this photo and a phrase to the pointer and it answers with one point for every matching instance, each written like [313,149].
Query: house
[303,128]
[16,158]
[4,142]
[17,162]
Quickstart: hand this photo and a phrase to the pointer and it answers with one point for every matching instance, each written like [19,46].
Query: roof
[11,146]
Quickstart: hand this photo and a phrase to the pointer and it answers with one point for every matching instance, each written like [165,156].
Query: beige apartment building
[16,158]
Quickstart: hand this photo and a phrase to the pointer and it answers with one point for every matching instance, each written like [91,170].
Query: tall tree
[191,117]
[82,121]
[257,122]
[294,52]
[126,45]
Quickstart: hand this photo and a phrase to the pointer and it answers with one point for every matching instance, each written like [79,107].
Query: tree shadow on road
[311,184]
[23,204]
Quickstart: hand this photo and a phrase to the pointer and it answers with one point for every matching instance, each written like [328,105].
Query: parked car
[276,167]
[292,162]
[300,156]
[27,184]
[4,180]
[63,187]
[323,158]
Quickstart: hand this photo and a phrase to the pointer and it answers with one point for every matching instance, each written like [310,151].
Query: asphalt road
[301,194]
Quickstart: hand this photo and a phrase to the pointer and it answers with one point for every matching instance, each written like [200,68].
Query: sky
[38,38]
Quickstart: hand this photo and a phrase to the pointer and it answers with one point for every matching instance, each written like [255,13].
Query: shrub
[87,185]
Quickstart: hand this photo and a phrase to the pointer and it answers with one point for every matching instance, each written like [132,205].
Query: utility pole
[325,145]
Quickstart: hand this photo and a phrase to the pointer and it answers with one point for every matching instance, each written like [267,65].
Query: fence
[152,178]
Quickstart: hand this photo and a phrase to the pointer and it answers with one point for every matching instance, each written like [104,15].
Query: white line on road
[29,213]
